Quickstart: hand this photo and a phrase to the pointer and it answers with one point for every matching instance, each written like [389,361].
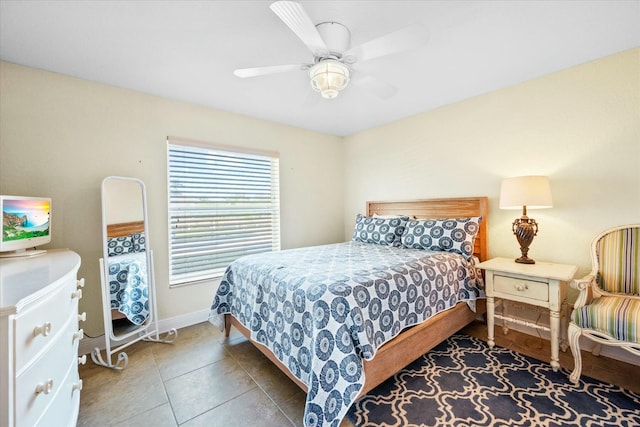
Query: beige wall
[580,126]
[60,136]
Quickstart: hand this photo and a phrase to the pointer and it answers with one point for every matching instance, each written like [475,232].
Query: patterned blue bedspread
[128,286]
[322,309]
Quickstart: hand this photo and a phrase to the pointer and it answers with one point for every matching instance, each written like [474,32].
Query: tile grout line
[261,389]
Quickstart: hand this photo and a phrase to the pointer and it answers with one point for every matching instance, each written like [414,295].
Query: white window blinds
[222,205]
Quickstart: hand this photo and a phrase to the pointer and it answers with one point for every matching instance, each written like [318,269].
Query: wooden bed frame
[120,230]
[417,340]
[125,228]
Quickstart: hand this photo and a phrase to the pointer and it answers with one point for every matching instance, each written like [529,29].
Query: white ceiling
[187,50]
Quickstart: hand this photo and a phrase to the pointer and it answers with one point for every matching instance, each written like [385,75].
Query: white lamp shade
[531,191]
[329,77]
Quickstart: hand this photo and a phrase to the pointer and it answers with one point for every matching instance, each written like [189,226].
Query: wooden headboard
[441,208]
[125,228]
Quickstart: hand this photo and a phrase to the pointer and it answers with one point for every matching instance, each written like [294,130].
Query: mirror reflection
[128,293]
[126,255]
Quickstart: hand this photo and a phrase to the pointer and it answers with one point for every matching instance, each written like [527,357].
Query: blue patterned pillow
[119,245]
[139,242]
[381,231]
[450,235]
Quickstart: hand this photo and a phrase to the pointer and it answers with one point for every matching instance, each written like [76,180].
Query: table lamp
[531,192]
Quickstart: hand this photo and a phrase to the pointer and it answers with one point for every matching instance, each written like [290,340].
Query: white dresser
[39,382]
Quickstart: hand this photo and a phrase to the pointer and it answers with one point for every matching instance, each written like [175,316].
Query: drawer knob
[521,287]
[78,335]
[43,330]
[82,317]
[77,386]
[82,359]
[80,283]
[76,294]
[45,387]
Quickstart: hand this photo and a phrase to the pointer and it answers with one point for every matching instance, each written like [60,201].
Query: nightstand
[542,284]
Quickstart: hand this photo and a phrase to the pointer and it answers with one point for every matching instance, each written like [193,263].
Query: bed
[128,286]
[337,315]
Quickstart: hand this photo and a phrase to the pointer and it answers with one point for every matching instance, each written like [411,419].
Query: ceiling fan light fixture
[329,77]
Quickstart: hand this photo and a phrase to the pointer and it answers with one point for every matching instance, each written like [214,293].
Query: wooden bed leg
[227,325]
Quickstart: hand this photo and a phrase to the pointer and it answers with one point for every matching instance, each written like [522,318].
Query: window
[223,204]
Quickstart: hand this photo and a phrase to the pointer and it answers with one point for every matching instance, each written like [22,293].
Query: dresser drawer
[50,316]
[47,373]
[63,411]
[523,288]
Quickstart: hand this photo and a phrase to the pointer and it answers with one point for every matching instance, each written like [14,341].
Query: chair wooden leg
[574,342]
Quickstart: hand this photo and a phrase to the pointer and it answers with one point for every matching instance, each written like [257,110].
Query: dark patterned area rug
[462,382]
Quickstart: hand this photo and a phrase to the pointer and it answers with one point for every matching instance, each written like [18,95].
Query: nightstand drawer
[523,288]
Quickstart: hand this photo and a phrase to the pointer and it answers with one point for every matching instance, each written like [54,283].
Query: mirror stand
[149,333]
[126,273]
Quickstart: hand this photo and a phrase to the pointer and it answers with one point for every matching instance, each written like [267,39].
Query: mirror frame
[148,330]
[104,263]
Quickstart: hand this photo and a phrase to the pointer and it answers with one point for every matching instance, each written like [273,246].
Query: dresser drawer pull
[77,386]
[80,283]
[45,387]
[76,294]
[78,335]
[82,317]
[521,287]
[43,330]
[82,359]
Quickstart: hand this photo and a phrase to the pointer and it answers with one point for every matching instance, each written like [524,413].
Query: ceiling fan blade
[296,18]
[263,71]
[408,38]
[380,88]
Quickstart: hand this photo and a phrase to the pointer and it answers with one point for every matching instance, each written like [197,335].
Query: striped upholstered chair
[612,315]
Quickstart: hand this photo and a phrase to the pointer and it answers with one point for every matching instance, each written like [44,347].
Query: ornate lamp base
[525,229]
[525,260]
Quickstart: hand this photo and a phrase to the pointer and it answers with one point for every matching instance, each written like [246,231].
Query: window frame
[257,214]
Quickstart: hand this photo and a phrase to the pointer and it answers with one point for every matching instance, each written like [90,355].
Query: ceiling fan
[333,56]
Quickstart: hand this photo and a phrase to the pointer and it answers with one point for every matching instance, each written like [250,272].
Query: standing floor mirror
[126,272]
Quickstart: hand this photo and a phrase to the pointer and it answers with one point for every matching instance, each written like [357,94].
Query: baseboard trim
[585,344]
[88,344]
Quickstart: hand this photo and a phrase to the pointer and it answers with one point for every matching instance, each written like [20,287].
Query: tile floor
[204,379]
